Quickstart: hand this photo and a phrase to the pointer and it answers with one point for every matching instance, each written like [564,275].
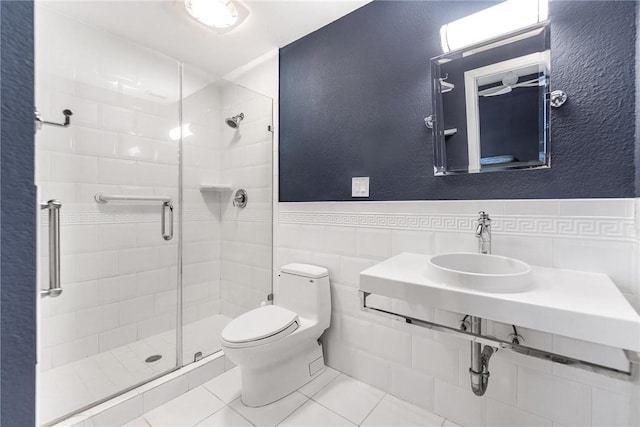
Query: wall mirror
[491,105]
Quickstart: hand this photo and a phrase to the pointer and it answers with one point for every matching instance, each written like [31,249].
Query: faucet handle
[483,216]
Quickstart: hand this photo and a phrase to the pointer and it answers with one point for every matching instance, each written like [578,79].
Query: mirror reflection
[491,105]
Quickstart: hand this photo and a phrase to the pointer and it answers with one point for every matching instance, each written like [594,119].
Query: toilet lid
[260,323]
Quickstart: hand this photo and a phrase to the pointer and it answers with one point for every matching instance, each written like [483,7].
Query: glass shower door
[114,174]
[227,248]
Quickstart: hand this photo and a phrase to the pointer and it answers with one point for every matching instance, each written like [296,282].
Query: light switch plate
[360,186]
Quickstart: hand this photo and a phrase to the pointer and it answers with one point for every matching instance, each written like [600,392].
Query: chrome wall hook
[40,121]
[428,122]
[558,98]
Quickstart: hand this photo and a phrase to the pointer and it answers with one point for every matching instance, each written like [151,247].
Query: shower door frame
[179,335]
[179,360]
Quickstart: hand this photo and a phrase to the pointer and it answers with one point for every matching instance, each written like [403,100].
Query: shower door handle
[54,290]
[163,220]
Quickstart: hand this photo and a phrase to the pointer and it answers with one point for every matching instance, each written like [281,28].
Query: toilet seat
[260,326]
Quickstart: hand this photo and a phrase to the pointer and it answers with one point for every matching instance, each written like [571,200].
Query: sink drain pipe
[479,370]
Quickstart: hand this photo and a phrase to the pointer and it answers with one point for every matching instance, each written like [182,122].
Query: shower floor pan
[67,388]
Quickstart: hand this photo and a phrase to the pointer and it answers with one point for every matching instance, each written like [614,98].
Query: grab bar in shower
[54,290]
[167,202]
[105,198]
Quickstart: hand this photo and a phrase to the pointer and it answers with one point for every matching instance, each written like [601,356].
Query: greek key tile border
[107,217]
[94,218]
[602,228]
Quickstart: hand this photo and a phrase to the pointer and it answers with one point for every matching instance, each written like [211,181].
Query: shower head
[234,122]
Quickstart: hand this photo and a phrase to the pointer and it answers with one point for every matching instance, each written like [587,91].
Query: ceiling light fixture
[489,23]
[219,15]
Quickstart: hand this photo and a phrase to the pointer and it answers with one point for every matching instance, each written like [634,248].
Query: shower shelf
[215,187]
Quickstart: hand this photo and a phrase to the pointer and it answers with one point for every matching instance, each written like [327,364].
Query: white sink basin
[487,273]
[584,306]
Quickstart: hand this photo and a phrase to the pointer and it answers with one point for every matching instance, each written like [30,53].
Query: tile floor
[332,399]
[69,387]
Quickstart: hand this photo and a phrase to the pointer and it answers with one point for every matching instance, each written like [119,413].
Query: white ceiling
[164,26]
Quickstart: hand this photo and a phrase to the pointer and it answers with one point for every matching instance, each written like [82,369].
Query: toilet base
[267,384]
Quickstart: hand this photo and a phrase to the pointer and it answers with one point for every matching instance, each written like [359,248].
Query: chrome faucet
[483,233]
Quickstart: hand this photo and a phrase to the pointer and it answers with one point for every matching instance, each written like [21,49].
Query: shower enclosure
[154,258]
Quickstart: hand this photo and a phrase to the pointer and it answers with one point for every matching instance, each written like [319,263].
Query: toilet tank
[304,289]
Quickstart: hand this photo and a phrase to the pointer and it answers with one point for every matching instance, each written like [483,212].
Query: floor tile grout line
[297,408]
[241,416]
[300,406]
[306,400]
[334,412]
[214,394]
[337,413]
[355,379]
[199,421]
[318,403]
[385,394]
[214,412]
[326,385]
[374,407]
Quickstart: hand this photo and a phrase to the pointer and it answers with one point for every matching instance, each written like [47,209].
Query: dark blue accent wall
[17,216]
[353,96]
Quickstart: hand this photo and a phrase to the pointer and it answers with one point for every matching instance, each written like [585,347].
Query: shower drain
[153,358]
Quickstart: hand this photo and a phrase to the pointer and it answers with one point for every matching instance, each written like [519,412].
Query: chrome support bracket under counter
[633,358]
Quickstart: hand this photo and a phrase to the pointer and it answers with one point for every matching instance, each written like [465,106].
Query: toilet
[276,346]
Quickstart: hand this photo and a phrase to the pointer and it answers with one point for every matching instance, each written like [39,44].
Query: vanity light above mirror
[504,18]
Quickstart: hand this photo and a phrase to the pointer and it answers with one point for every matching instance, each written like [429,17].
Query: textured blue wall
[17,217]
[353,96]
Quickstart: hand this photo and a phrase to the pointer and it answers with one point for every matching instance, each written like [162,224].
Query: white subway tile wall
[246,233]
[116,268]
[201,221]
[119,275]
[431,370]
